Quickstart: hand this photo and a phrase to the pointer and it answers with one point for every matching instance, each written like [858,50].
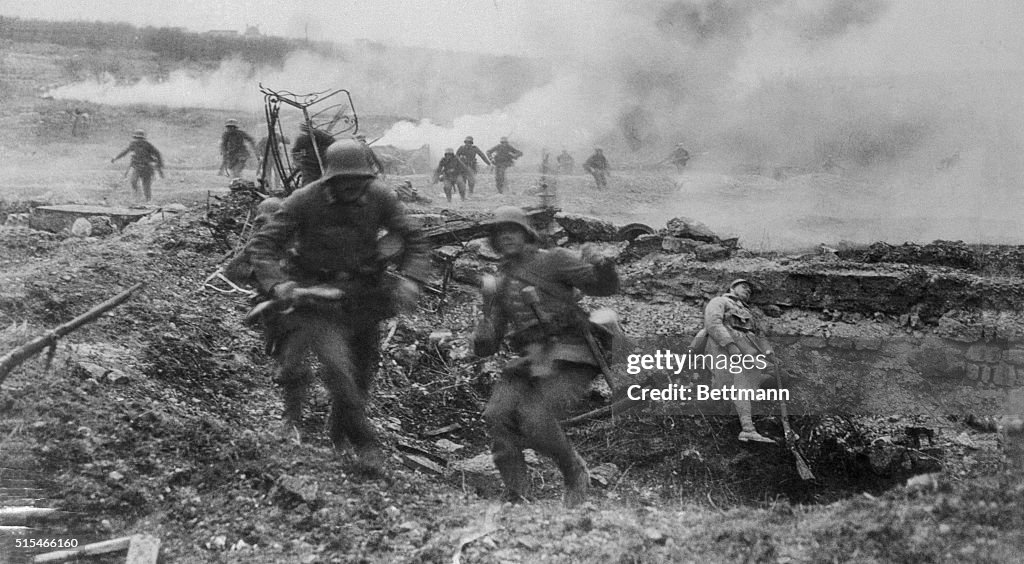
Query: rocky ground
[160,418]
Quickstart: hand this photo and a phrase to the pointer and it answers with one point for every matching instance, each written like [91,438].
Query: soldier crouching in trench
[323,243]
[533,304]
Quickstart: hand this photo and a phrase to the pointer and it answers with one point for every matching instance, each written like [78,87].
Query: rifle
[14,358]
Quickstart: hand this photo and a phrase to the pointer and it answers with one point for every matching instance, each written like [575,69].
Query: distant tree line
[170,44]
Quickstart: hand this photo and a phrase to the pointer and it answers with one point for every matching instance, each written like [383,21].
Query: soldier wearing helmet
[503,155]
[145,158]
[234,149]
[308,151]
[597,166]
[532,303]
[468,153]
[452,171]
[733,331]
[326,236]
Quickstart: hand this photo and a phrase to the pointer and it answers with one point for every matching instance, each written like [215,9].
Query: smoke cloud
[915,100]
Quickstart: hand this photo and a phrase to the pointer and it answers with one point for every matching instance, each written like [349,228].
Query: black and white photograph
[496,281]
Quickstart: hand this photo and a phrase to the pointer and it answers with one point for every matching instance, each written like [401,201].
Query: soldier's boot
[749,432]
[511,465]
[349,421]
[577,481]
[291,419]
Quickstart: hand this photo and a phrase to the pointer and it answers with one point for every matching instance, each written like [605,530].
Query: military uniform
[451,171]
[503,155]
[468,153]
[728,320]
[145,159]
[326,234]
[305,156]
[555,368]
[234,150]
[597,166]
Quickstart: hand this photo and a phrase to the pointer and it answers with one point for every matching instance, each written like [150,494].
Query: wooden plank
[80,210]
[103,547]
[22,515]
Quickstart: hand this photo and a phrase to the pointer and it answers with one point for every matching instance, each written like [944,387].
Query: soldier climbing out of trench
[145,158]
[532,302]
[730,329]
[320,259]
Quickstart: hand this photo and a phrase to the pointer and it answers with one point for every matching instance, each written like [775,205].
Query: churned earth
[161,418]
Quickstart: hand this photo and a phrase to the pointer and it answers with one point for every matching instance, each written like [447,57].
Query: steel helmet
[139,134]
[231,123]
[449,150]
[469,139]
[516,216]
[347,157]
[503,140]
[739,281]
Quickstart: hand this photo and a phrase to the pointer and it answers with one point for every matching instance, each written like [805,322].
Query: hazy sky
[488,25]
[923,33]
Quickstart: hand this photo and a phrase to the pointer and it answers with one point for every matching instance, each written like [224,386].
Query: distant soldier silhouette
[468,153]
[503,155]
[145,158]
[234,149]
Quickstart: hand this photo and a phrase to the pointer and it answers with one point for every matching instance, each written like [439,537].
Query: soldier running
[452,171]
[503,155]
[145,158]
[533,304]
[323,242]
[468,153]
[597,166]
[234,149]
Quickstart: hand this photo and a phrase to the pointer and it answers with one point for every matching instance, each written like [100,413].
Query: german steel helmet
[139,134]
[469,139]
[514,215]
[231,123]
[347,157]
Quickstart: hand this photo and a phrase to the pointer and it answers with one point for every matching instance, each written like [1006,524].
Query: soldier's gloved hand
[285,290]
[407,294]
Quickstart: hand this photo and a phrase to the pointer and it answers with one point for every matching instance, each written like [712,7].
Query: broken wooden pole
[14,358]
[22,515]
[621,406]
[142,549]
